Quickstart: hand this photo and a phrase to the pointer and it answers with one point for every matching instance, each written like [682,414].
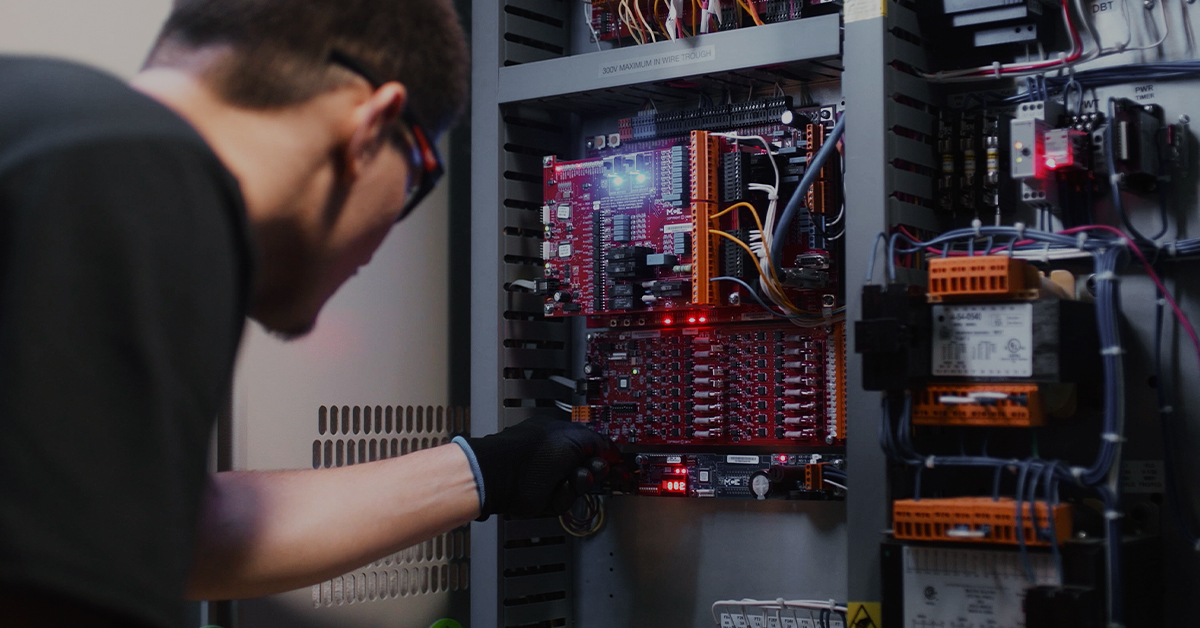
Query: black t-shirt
[125,269]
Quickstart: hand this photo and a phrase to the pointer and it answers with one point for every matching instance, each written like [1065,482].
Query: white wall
[111,34]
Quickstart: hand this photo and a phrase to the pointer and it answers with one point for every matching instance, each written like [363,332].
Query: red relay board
[771,384]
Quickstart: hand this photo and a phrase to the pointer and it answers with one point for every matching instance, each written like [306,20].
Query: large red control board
[638,233]
[770,384]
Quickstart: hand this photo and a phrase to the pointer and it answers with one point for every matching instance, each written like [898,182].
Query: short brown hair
[282,49]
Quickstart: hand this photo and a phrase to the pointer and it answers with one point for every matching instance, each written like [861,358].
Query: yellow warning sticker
[856,10]
[864,615]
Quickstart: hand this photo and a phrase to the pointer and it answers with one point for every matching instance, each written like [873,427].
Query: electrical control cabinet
[854,288]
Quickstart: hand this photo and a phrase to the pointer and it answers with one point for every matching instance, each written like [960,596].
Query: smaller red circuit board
[766,384]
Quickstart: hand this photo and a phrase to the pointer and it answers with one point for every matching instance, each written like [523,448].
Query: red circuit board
[640,204]
[768,384]
[608,24]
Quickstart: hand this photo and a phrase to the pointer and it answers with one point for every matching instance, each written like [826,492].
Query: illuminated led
[1018,145]
[1050,163]
[782,458]
[641,178]
[692,319]
[703,319]
[636,371]
[667,321]
[618,181]
[1019,160]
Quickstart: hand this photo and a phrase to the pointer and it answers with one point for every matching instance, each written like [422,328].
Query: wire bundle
[823,608]
[587,522]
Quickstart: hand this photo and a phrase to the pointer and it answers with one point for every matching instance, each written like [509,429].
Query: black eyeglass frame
[423,157]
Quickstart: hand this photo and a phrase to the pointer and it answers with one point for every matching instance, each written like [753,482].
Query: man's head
[382,77]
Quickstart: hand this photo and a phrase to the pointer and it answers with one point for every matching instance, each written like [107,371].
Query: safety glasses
[424,162]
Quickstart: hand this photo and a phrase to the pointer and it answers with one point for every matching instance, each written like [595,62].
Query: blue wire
[811,171]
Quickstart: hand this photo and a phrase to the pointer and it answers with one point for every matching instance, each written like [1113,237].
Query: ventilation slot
[359,434]
[534,30]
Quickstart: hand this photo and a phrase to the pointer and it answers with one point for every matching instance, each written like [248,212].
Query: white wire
[832,483]
[812,605]
[1166,26]
[587,18]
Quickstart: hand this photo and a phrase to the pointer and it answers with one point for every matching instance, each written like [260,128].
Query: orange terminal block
[581,414]
[982,277]
[984,405]
[703,158]
[977,520]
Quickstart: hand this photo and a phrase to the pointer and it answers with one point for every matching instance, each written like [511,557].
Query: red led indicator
[692,320]
[782,458]
[1051,163]
[703,319]
[667,321]
[679,471]
[674,486]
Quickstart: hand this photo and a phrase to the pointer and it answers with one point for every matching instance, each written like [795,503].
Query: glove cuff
[475,471]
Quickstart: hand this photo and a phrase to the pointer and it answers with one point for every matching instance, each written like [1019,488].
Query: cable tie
[929,461]
[1081,239]
[1020,227]
[1115,178]
[1112,351]
[977,225]
[1112,437]
[1112,515]
[1172,249]
[996,69]
[1046,254]
[1077,473]
[1107,275]
[1166,410]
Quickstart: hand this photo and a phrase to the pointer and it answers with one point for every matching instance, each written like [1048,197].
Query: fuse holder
[978,520]
[982,277]
[980,405]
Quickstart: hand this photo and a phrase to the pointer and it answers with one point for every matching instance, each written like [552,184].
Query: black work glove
[537,467]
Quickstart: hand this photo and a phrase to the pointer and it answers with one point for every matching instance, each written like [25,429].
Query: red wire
[1076,50]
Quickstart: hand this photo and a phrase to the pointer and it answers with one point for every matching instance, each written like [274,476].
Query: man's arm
[263,532]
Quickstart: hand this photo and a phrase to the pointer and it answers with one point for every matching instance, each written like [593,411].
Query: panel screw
[1149,4]
[735,298]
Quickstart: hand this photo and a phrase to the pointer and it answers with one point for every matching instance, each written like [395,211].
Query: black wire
[1164,397]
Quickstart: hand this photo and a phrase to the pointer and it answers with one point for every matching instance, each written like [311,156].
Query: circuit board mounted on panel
[766,384]
[636,233]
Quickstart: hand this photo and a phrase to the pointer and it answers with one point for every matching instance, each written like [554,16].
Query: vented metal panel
[534,30]
[414,582]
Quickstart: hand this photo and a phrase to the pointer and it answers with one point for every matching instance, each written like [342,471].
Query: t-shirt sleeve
[122,293]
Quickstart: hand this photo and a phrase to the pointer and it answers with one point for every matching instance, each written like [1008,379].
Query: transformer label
[950,587]
[983,340]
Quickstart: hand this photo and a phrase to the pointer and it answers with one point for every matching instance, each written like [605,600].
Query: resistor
[709,433]
[798,379]
[800,434]
[799,364]
[701,340]
[795,351]
[795,420]
[707,420]
[707,381]
[682,268]
[649,299]
[708,368]
[710,352]
[707,407]
[707,394]
[800,407]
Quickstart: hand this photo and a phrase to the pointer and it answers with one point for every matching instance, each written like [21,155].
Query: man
[258,160]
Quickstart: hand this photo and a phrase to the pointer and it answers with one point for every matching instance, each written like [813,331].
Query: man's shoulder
[51,104]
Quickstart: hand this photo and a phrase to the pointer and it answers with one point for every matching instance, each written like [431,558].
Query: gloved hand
[537,467]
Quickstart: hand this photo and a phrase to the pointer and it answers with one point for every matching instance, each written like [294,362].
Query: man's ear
[374,120]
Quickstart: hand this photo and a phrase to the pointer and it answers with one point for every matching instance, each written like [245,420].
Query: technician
[253,166]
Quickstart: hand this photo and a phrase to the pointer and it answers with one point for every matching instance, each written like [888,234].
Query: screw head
[735,299]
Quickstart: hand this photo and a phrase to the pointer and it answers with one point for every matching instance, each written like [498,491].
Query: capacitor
[649,299]
[591,369]
[562,296]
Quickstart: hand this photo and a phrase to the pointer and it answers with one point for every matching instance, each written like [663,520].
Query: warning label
[983,340]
